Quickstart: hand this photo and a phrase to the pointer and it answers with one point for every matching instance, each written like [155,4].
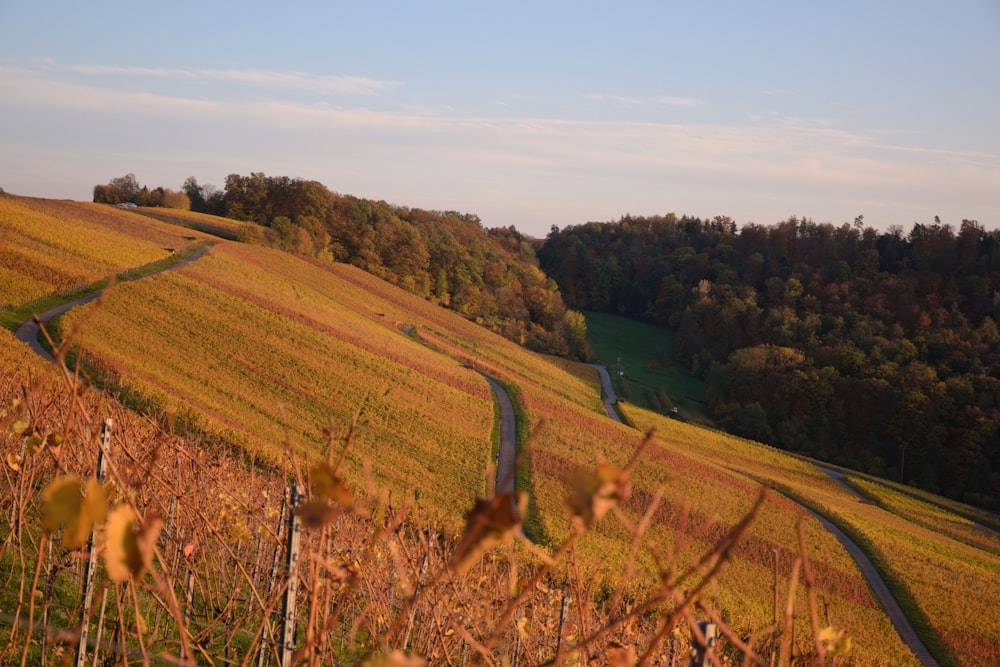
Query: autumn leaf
[129,552]
[395,658]
[620,656]
[65,506]
[835,642]
[62,500]
[326,484]
[315,514]
[594,492]
[489,522]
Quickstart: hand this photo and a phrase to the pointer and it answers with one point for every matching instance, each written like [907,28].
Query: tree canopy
[489,275]
[876,350]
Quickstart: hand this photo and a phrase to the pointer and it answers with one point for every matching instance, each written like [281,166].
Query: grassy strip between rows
[972,514]
[12,318]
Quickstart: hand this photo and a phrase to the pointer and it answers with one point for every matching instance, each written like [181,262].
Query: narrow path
[29,332]
[877,584]
[838,477]
[881,591]
[609,392]
[508,439]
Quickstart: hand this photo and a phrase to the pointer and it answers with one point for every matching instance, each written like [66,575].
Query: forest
[488,275]
[875,350]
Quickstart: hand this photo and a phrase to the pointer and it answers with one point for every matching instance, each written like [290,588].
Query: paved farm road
[30,330]
[875,581]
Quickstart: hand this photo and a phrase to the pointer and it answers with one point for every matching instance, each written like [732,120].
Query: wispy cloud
[324,84]
[658,100]
[677,101]
[774,158]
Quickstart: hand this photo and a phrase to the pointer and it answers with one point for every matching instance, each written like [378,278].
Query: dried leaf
[394,659]
[93,510]
[19,426]
[129,552]
[190,549]
[62,500]
[489,522]
[326,484]
[13,461]
[594,492]
[620,656]
[315,514]
[65,506]
[835,642]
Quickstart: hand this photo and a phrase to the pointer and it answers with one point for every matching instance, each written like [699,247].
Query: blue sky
[527,114]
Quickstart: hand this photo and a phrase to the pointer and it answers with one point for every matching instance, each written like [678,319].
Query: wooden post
[88,578]
[293,542]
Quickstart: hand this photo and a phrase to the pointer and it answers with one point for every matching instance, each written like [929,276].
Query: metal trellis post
[88,579]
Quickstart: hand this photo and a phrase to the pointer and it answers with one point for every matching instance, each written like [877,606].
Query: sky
[529,114]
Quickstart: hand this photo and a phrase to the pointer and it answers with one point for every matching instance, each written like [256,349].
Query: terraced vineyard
[262,351]
[50,247]
[944,571]
[280,363]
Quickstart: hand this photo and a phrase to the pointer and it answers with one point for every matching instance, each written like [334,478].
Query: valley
[270,357]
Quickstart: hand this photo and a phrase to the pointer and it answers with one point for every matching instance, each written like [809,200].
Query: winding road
[610,398]
[29,331]
[875,581]
[507,454]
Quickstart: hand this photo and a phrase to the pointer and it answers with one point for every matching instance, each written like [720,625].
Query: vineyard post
[562,617]
[47,598]
[291,562]
[88,578]
[188,596]
[264,627]
[709,631]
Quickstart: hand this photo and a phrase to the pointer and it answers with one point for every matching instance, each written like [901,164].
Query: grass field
[213,225]
[273,367]
[645,353]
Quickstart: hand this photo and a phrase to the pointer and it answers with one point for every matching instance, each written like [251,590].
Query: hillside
[488,275]
[253,352]
[876,350]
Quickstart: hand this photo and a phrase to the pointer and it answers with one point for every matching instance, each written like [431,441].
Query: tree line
[126,189]
[875,350]
[488,275]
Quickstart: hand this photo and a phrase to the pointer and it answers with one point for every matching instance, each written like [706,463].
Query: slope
[261,350]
